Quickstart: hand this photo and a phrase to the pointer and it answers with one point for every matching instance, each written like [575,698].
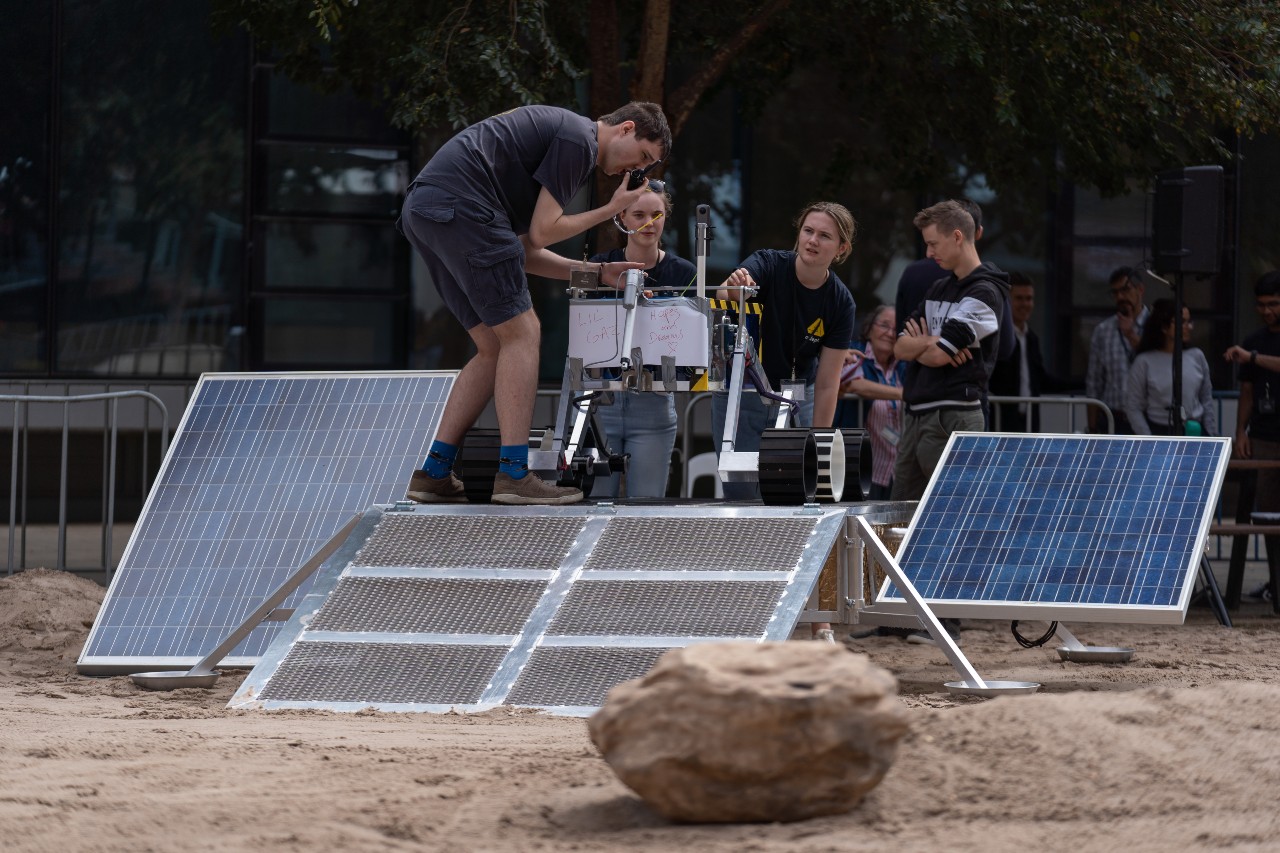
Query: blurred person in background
[875,375]
[1149,398]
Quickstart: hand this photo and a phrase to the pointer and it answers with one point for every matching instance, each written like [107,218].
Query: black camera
[636,177]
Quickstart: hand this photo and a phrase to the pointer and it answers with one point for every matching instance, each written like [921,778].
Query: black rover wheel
[853,439]
[477,463]
[788,467]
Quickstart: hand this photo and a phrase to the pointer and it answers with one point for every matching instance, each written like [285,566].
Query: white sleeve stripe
[977,315]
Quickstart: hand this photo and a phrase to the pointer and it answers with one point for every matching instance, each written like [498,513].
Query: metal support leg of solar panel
[972,683]
[432,608]
[203,673]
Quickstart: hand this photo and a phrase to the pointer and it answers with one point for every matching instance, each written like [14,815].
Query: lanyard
[795,317]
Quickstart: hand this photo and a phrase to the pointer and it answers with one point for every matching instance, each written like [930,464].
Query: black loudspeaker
[1187,232]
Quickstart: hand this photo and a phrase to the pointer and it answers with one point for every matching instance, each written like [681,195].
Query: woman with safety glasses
[643,423]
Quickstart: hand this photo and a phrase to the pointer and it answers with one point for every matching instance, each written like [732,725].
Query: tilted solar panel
[1063,526]
[263,470]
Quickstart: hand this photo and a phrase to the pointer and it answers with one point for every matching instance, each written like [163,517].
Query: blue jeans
[643,424]
[754,417]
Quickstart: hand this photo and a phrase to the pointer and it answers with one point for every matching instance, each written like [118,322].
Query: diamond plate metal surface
[429,605]
[667,608]
[437,608]
[464,541]
[751,544]
[383,673]
[578,676]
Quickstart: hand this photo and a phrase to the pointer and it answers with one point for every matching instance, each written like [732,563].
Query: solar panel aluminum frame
[800,580]
[105,664]
[895,606]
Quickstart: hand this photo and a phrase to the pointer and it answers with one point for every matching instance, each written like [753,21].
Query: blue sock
[514,461]
[440,459]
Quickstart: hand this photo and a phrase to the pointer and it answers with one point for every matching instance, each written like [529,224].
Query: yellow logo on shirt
[816,329]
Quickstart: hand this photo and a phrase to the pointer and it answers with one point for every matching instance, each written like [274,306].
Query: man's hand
[624,198]
[913,329]
[611,273]
[1238,355]
[1127,325]
[1241,446]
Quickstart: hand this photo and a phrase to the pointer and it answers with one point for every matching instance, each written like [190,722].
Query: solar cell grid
[262,471]
[1066,520]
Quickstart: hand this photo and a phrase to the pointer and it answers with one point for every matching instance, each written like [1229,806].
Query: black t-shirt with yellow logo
[798,322]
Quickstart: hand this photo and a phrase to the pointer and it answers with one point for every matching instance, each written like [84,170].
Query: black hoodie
[964,313]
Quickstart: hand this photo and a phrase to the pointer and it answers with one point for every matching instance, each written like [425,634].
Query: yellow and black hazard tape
[756,308]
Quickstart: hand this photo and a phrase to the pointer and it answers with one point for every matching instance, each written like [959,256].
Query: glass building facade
[169,205]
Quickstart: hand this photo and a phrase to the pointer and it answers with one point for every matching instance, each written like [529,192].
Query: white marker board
[674,327]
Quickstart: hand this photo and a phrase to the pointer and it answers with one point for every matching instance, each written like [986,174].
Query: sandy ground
[1179,749]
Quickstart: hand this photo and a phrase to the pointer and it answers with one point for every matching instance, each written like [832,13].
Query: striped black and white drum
[831,465]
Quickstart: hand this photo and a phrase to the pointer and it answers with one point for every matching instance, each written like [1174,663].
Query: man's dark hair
[1017,279]
[1126,273]
[975,211]
[651,123]
[1268,284]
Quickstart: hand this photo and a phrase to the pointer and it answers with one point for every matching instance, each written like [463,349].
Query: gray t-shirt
[505,160]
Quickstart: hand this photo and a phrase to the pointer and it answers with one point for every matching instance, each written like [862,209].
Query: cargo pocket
[497,274]
[434,213]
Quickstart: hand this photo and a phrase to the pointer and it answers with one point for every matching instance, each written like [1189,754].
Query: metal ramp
[468,608]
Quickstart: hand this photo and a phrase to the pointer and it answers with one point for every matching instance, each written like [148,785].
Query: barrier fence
[20,465]
[685,456]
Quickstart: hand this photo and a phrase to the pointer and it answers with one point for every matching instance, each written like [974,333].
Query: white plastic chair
[702,465]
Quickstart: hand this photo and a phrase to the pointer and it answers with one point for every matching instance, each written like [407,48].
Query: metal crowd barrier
[110,427]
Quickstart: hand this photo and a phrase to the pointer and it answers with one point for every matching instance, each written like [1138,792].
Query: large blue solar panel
[262,471]
[1074,526]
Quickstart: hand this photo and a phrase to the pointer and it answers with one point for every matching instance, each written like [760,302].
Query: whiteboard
[675,327]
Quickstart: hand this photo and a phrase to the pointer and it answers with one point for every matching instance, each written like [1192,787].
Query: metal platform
[469,608]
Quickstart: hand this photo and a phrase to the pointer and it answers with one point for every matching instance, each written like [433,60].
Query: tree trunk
[604,92]
[651,61]
[682,101]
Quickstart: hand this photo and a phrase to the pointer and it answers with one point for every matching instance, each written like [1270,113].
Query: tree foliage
[1093,91]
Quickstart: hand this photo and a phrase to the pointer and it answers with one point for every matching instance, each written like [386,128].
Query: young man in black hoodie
[951,342]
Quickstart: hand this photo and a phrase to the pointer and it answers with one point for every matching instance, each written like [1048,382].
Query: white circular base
[173,680]
[993,688]
[1095,654]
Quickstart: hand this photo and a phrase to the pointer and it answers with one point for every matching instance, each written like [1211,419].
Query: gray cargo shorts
[474,257]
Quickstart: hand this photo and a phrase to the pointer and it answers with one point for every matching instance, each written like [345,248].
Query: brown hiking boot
[531,490]
[426,489]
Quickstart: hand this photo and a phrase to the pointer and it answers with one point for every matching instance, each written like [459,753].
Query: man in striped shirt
[1113,347]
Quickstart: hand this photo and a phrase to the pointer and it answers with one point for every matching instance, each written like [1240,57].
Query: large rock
[745,731]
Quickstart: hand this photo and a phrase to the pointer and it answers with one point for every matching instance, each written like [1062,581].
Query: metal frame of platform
[681,571]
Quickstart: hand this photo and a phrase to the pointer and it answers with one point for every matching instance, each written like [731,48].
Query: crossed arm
[916,344]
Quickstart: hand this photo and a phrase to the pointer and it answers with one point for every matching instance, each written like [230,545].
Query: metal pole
[106,417]
[146,428]
[26,466]
[13,490]
[62,487]
[109,552]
